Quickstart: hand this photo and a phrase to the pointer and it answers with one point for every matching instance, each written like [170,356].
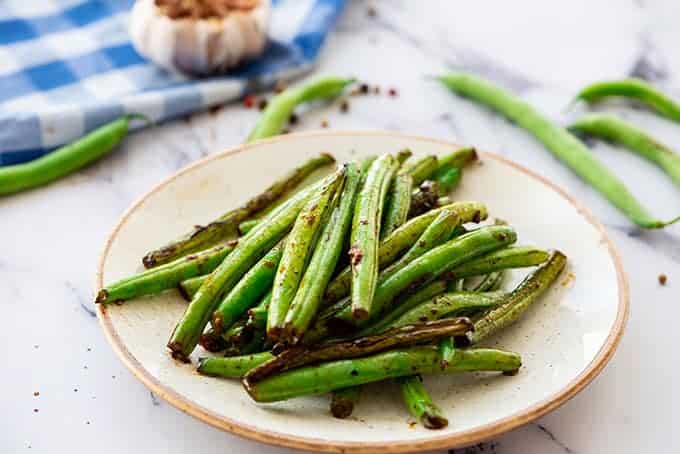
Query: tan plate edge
[468,437]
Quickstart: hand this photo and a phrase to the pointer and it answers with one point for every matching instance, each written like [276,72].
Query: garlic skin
[199,46]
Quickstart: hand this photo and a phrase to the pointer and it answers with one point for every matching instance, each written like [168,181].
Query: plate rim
[464,438]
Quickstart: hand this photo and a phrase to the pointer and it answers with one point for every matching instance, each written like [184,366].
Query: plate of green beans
[361,292]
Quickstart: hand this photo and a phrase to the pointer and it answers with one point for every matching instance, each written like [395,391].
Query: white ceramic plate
[565,339]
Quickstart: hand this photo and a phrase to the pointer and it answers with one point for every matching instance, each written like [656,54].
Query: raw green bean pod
[298,251]
[326,377]
[248,251]
[420,404]
[231,367]
[422,169]
[398,204]
[511,257]
[64,160]
[404,336]
[165,277]
[249,290]
[621,132]
[281,107]
[227,225]
[402,239]
[366,233]
[343,401]
[632,88]
[519,300]
[325,257]
[559,141]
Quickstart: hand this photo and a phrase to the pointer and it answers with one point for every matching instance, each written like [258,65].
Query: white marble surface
[50,239]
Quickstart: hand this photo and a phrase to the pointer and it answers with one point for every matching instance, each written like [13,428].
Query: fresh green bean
[325,257]
[249,290]
[343,401]
[621,132]
[635,89]
[398,203]
[248,251]
[227,224]
[519,300]
[422,169]
[280,108]
[246,226]
[420,404]
[399,337]
[298,251]
[403,238]
[164,277]
[511,257]
[365,234]
[559,141]
[231,367]
[424,199]
[64,160]
[326,377]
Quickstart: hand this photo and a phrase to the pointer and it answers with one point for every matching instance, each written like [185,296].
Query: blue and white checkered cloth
[67,67]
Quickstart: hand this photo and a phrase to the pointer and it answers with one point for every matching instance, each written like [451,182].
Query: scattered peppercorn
[324,123]
[293,120]
[249,101]
[371,11]
[36,393]
[262,104]
[87,422]
[89,349]
[662,279]
[363,88]
[35,410]
[393,92]
[344,106]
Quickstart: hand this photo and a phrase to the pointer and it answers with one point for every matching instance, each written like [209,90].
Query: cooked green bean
[227,225]
[446,350]
[457,159]
[399,337]
[249,290]
[621,132]
[248,251]
[559,141]
[403,155]
[422,169]
[246,226]
[64,160]
[403,238]
[298,251]
[365,234]
[343,401]
[188,287]
[231,367]
[519,300]
[449,180]
[420,404]
[325,257]
[635,89]
[326,377]
[164,277]
[280,107]
[257,316]
[490,282]
[511,257]
[398,204]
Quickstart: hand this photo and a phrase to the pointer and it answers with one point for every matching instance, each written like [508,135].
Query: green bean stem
[559,141]
[298,251]
[166,276]
[249,290]
[635,89]
[446,350]
[248,251]
[621,132]
[457,159]
[227,225]
[343,401]
[325,257]
[401,239]
[519,300]
[365,234]
[64,160]
[326,377]
[420,404]
[280,107]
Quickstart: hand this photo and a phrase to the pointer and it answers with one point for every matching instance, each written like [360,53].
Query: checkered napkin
[67,67]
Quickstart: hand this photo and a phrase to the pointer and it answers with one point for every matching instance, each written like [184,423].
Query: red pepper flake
[324,123]
[355,255]
[249,101]
[663,279]
[262,104]
[393,92]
